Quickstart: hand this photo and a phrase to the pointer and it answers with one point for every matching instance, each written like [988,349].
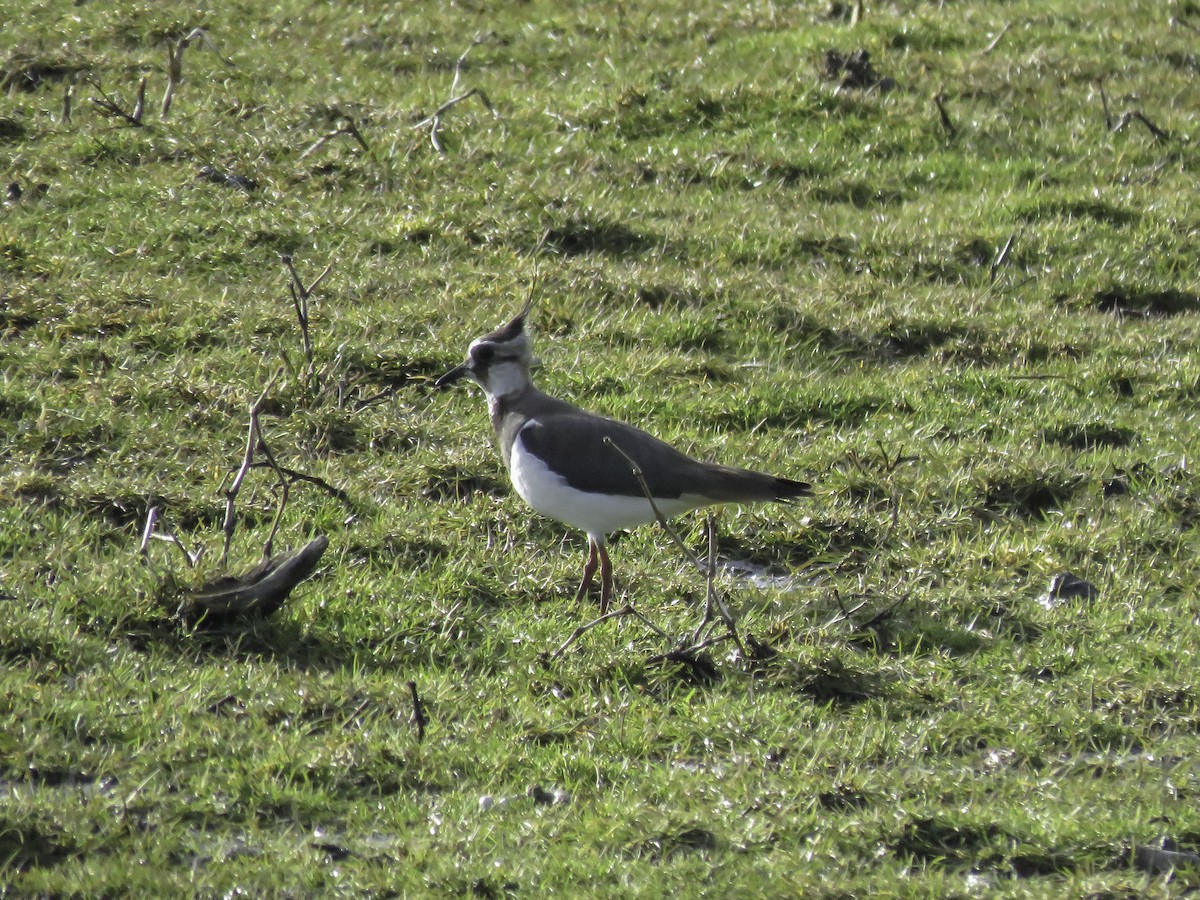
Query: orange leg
[597,556]
[606,581]
[589,569]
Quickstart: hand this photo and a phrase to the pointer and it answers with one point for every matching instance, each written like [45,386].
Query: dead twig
[1001,258]
[349,127]
[150,532]
[1108,122]
[285,487]
[300,297]
[418,713]
[111,108]
[626,610]
[253,439]
[315,480]
[1136,115]
[947,124]
[845,613]
[175,63]
[68,97]
[879,616]
[434,121]
[884,613]
[256,443]
[995,42]
[713,604]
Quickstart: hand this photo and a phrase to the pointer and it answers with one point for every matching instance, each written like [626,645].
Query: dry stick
[252,436]
[418,714]
[68,93]
[712,598]
[174,73]
[257,440]
[295,475]
[175,63]
[1001,257]
[284,489]
[626,610]
[148,530]
[350,128]
[883,613]
[1108,123]
[996,40]
[300,295]
[149,534]
[435,121]
[139,106]
[674,535]
[947,124]
[845,613]
[111,108]
[1136,115]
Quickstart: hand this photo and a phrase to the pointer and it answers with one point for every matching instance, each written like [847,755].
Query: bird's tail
[743,485]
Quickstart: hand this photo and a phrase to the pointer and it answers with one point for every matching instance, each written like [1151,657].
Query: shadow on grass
[286,643]
[1033,496]
[935,841]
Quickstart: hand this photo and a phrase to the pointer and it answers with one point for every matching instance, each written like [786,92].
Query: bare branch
[252,436]
[68,95]
[294,476]
[139,106]
[418,714]
[348,128]
[995,42]
[1001,257]
[284,486]
[1108,122]
[434,121]
[110,107]
[626,610]
[148,529]
[947,124]
[1135,115]
[175,62]
[300,297]
[713,604]
[149,533]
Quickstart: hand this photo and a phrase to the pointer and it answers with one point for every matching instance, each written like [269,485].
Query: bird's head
[499,361]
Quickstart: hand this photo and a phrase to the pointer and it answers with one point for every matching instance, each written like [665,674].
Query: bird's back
[590,453]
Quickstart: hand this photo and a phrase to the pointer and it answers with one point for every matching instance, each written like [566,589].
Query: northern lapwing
[571,465]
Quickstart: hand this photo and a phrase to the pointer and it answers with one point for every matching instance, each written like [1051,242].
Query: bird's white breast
[596,514]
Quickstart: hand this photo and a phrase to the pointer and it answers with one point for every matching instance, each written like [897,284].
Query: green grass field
[958,290]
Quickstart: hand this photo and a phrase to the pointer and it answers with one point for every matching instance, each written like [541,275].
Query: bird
[574,466]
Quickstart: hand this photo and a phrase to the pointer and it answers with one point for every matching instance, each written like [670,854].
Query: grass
[755,264]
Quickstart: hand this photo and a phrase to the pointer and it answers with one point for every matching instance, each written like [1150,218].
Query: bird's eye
[484,353]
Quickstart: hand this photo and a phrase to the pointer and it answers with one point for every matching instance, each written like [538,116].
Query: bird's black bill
[452,376]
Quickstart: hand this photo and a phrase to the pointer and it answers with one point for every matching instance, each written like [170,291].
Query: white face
[504,378]
[500,369]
